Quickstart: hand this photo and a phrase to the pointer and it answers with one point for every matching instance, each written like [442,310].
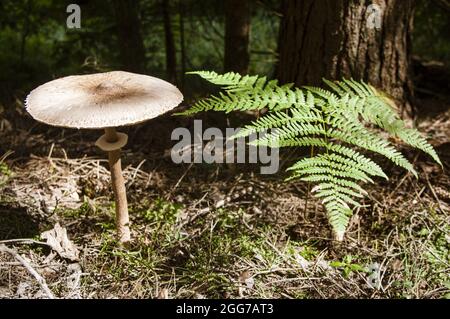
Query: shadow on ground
[16,222]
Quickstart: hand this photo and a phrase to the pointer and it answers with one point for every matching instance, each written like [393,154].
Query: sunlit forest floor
[214,231]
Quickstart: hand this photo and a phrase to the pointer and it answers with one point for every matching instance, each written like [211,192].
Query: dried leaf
[246,281]
[57,239]
[163,294]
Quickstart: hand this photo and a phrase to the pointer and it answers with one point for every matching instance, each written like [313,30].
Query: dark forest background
[168,38]
[217,230]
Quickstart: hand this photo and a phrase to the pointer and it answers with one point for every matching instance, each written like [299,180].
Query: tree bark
[25,32]
[131,45]
[181,9]
[171,54]
[237,32]
[333,39]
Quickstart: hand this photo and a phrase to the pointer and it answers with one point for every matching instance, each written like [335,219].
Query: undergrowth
[337,124]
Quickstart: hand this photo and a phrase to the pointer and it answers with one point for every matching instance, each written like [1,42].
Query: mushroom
[104,101]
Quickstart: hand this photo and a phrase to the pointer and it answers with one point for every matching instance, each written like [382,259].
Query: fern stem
[309,185]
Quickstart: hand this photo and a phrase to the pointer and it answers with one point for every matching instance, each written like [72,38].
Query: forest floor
[214,231]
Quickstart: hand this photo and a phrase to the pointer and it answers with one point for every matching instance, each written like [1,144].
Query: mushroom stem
[118,185]
[111,134]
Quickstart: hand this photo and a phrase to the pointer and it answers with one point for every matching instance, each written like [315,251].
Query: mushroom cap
[102,100]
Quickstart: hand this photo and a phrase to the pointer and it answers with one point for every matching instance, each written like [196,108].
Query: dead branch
[41,281]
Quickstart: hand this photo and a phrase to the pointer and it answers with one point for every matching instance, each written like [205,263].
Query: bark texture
[237,32]
[131,46]
[171,54]
[336,39]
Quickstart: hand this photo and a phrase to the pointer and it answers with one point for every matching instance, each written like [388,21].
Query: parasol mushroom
[104,101]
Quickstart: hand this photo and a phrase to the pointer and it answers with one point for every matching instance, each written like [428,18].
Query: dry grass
[210,231]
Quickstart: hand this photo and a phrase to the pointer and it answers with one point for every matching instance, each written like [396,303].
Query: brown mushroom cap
[102,100]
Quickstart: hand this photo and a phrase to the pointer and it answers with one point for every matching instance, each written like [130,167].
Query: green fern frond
[374,107]
[244,93]
[289,131]
[370,166]
[284,121]
[334,122]
[356,134]
[228,80]
[290,142]
[416,140]
[331,164]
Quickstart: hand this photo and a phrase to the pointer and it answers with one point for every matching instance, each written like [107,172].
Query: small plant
[338,124]
[5,173]
[162,212]
[348,266]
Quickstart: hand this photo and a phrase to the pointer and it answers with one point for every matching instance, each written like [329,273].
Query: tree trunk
[25,32]
[338,38]
[237,31]
[181,9]
[171,54]
[131,46]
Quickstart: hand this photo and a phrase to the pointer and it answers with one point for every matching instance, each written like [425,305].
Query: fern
[338,122]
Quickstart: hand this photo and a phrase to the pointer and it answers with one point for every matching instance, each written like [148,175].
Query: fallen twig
[434,194]
[41,281]
[23,241]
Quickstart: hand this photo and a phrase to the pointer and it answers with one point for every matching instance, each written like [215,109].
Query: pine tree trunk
[237,31]
[131,46]
[171,57]
[333,39]
[181,9]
